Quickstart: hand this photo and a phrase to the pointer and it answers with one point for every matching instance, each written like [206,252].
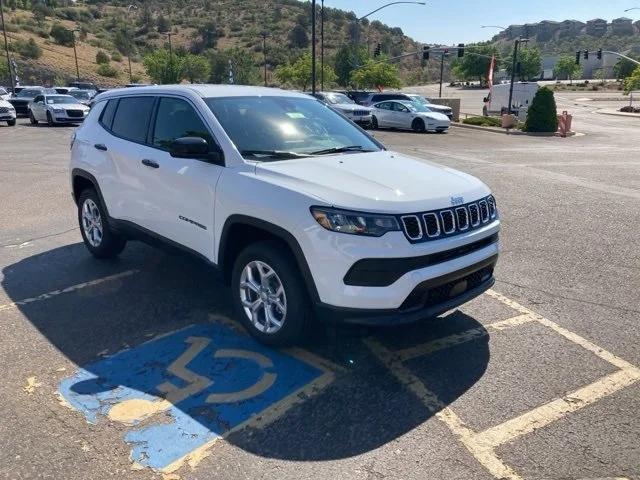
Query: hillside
[199,26]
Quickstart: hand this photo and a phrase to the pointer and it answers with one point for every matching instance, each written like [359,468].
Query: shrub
[107,70]
[29,49]
[483,121]
[102,58]
[116,56]
[542,115]
[62,36]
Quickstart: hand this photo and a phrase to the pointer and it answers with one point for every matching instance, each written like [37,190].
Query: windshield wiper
[346,148]
[277,154]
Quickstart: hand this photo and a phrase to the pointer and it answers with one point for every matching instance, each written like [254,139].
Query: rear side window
[131,119]
[176,118]
[108,113]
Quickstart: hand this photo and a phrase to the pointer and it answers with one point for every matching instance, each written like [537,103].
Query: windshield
[337,98]
[29,93]
[3,91]
[417,107]
[79,94]
[287,127]
[56,99]
[418,99]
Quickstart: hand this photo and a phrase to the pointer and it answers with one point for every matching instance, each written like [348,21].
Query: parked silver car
[448,111]
[56,109]
[408,115]
[350,109]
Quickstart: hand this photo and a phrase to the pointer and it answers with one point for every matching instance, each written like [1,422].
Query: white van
[523,93]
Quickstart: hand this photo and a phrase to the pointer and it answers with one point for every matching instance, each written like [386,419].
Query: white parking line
[73,288]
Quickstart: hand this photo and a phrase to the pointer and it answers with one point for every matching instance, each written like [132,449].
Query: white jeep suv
[305,214]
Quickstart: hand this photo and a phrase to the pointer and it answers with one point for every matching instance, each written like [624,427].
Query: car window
[176,118]
[384,106]
[29,93]
[106,119]
[131,119]
[38,98]
[295,125]
[55,99]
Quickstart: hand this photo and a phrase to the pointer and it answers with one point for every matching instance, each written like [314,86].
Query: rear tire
[50,120]
[96,232]
[269,296]
[32,119]
[418,126]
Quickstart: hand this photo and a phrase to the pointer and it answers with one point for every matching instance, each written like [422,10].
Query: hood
[350,107]
[384,182]
[4,103]
[20,100]
[439,108]
[69,106]
[441,117]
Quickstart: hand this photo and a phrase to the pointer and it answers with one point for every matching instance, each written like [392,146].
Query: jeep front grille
[447,222]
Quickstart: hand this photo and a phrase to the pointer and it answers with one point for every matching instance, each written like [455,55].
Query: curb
[503,131]
[615,113]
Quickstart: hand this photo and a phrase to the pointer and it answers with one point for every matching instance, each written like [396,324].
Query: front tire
[32,119]
[11,123]
[374,123]
[418,126]
[269,296]
[50,121]
[96,232]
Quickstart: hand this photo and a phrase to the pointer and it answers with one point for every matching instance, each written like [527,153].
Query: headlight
[58,110]
[355,223]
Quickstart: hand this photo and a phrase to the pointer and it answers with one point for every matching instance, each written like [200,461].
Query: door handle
[100,146]
[150,163]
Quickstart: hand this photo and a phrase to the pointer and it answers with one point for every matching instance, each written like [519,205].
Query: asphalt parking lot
[132,368]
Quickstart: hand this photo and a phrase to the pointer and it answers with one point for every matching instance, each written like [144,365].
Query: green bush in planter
[542,115]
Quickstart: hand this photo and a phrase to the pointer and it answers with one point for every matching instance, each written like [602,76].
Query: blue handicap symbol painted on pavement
[182,391]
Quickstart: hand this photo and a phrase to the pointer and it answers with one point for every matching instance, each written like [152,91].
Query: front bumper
[428,300]
[62,118]
[363,121]
[7,117]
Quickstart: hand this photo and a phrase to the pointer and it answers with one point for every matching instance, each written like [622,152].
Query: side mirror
[197,148]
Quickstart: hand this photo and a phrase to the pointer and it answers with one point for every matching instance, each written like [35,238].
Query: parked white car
[4,94]
[7,113]
[356,113]
[305,215]
[408,115]
[448,111]
[55,109]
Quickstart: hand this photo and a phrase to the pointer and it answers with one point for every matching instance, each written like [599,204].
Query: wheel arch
[240,231]
[80,181]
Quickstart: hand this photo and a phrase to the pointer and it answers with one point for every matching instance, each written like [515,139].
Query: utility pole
[129,8]
[75,54]
[313,47]
[264,52]
[513,69]
[6,47]
[322,46]
[442,55]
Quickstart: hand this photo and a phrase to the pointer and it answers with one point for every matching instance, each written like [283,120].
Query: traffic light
[600,54]
[378,50]
[578,55]
[425,52]
[586,54]
[460,50]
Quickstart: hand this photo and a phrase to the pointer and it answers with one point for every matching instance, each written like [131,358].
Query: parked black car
[25,96]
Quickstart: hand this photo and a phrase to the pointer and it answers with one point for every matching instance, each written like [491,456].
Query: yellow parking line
[556,409]
[73,288]
[463,337]
[484,454]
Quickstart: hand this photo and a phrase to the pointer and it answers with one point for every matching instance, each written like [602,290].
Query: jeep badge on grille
[455,201]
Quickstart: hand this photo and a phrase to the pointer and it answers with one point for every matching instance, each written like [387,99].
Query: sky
[451,22]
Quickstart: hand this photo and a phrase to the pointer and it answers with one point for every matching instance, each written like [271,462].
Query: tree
[195,68]
[530,60]
[163,25]
[347,58]
[102,57]
[62,36]
[106,70]
[542,115]
[298,37]
[4,70]
[123,40]
[567,68]
[632,82]
[206,37]
[242,64]
[624,68]
[298,74]
[475,64]
[163,67]
[376,74]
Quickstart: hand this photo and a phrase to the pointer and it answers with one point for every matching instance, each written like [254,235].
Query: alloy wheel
[263,297]
[92,223]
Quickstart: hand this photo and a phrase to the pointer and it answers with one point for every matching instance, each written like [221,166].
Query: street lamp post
[75,54]
[445,53]
[322,45]
[6,46]
[129,8]
[313,47]
[513,69]
[358,20]
[264,53]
